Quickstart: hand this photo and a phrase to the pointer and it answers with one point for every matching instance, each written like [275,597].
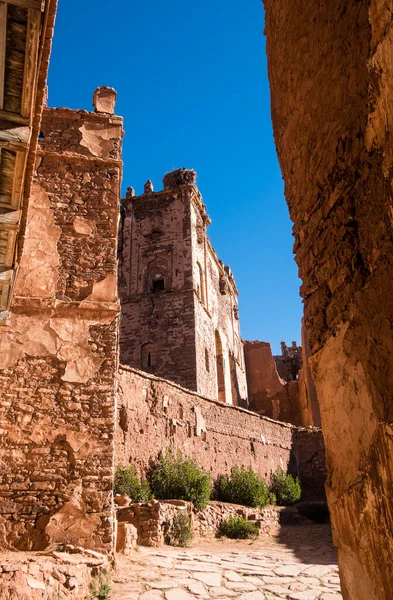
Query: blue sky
[193,90]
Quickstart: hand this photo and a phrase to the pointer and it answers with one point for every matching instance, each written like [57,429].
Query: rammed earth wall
[58,357]
[155,414]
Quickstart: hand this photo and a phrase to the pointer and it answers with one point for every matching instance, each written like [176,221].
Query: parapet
[104,99]
[179,177]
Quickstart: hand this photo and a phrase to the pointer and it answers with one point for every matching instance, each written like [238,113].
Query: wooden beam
[31,59]
[5,201]
[15,134]
[19,180]
[34,4]
[8,239]
[14,145]
[3,42]
[5,115]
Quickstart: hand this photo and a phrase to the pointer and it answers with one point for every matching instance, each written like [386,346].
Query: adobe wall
[163,236]
[216,314]
[155,239]
[58,357]
[330,71]
[268,394]
[156,415]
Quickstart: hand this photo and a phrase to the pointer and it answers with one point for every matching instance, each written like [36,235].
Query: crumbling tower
[179,302]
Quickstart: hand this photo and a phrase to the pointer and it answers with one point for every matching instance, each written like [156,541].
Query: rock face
[330,71]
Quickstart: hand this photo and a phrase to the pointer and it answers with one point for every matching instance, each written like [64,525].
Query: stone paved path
[299,564]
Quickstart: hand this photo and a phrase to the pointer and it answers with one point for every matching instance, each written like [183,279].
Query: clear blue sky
[193,90]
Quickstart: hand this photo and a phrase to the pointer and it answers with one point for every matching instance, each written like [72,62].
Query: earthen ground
[298,563]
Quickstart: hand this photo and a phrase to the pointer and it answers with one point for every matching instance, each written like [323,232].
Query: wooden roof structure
[26,30]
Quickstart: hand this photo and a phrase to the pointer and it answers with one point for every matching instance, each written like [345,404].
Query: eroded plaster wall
[58,356]
[330,72]
[156,415]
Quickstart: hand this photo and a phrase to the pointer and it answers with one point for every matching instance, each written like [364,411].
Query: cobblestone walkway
[299,564]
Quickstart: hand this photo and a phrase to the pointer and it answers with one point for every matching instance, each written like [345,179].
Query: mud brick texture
[155,415]
[58,357]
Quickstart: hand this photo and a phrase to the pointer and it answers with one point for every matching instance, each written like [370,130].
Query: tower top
[104,99]
[179,177]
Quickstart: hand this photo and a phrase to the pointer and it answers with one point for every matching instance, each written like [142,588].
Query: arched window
[148,356]
[157,276]
[220,369]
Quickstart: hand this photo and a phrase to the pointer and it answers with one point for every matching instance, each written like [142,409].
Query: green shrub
[286,489]
[243,486]
[272,499]
[103,591]
[238,528]
[180,532]
[127,482]
[176,478]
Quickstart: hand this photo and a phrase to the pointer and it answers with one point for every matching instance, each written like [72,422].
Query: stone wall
[58,356]
[57,575]
[156,415]
[153,519]
[330,72]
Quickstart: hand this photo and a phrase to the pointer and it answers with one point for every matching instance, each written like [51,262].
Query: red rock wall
[330,71]
[156,415]
[58,356]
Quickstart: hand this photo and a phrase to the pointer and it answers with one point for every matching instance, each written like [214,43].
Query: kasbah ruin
[120,335]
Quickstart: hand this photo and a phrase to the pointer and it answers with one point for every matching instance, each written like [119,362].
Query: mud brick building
[175,294]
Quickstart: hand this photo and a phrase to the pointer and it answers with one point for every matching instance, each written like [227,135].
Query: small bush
[127,482]
[286,489]
[238,528]
[181,479]
[180,532]
[272,499]
[243,486]
[103,591]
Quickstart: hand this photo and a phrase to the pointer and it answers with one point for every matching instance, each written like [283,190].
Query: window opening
[158,283]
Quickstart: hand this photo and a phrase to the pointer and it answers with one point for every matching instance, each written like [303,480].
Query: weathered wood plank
[3,42]
[15,134]
[7,245]
[5,201]
[13,117]
[34,4]
[30,71]
[13,145]
[19,179]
